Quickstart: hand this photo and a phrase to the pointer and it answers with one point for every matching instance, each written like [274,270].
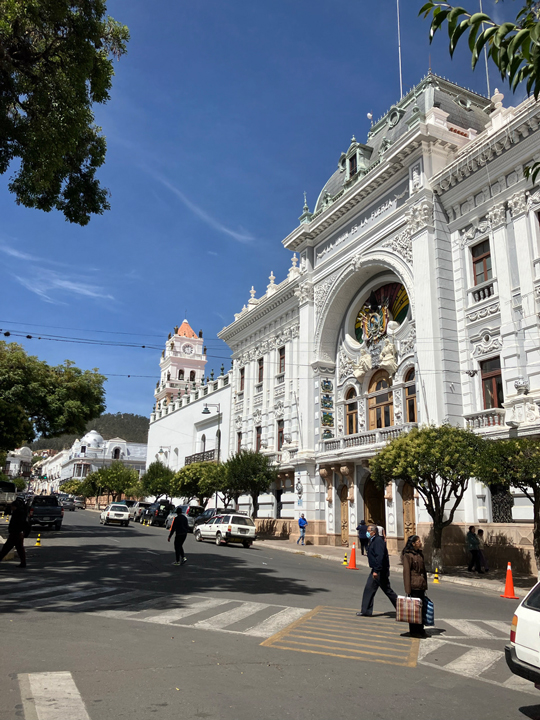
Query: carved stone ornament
[257,414]
[401,244]
[238,422]
[363,365]
[387,359]
[279,410]
[340,419]
[361,414]
[398,409]
[488,344]
[497,215]
[326,475]
[518,204]
[345,366]
[483,313]
[406,346]
[322,291]
[304,292]
[526,412]
[271,343]
[533,199]
[522,385]
[477,228]
[420,216]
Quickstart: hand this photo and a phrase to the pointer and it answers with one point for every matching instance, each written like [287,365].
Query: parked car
[68,504]
[227,528]
[45,511]
[115,513]
[192,512]
[128,503]
[80,502]
[157,513]
[8,493]
[208,515]
[136,510]
[523,653]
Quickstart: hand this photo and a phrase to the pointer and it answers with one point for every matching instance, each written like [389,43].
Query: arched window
[116,454]
[192,376]
[180,374]
[381,410]
[410,396]
[351,408]
[203,443]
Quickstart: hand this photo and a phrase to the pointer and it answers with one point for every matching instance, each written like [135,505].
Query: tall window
[242,379]
[192,376]
[410,396]
[258,438]
[381,410]
[281,367]
[481,256]
[352,412]
[280,427]
[260,374]
[180,374]
[492,387]
[116,454]
[352,165]
[203,443]
[238,441]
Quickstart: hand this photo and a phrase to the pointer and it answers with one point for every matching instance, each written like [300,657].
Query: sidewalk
[457,575]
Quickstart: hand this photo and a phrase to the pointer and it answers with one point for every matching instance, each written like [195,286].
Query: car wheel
[57,526]
[246,544]
[106,521]
[218,538]
[127,523]
[197,535]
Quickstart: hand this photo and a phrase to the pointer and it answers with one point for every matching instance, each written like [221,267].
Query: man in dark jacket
[16,529]
[379,562]
[179,529]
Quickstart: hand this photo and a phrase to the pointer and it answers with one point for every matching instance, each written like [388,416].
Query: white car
[115,513]
[523,653]
[227,528]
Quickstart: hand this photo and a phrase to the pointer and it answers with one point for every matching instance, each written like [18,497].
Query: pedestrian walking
[179,529]
[362,536]
[415,578]
[473,546]
[382,532]
[302,524]
[379,562]
[481,548]
[18,525]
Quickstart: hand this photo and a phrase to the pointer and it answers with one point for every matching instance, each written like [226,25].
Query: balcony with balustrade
[486,421]
[206,456]
[368,439]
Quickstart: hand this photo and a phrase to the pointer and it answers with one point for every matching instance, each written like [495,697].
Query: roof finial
[294,260]
[305,208]
[252,292]
[272,278]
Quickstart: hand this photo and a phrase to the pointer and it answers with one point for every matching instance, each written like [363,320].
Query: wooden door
[409,511]
[373,504]
[344,515]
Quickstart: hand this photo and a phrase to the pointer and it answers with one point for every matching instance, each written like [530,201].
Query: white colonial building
[415,300]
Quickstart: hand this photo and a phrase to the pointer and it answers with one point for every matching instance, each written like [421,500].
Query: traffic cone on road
[352,563]
[436,578]
[509,586]
[344,560]
[38,541]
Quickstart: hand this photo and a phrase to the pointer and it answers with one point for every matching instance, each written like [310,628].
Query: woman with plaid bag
[414,577]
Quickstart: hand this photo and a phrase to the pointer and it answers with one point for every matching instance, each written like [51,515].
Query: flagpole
[399,52]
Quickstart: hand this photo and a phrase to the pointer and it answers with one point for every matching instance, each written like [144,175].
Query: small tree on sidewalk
[515,463]
[197,480]
[157,480]
[249,473]
[438,462]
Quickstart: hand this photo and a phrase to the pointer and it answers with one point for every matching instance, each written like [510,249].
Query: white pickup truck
[523,653]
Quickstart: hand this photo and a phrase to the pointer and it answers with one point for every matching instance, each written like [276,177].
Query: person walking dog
[415,578]
[17,527]
[179,529]
[302,524]
[379,562]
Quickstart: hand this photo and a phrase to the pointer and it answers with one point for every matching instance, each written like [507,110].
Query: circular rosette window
[388,303]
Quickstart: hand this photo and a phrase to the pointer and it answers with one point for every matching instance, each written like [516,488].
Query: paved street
[102,626]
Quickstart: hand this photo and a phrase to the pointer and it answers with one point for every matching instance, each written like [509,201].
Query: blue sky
[221,115]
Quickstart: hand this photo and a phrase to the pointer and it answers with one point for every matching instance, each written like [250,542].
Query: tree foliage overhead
[438,462]
[129,427]
[36,398]
[513,46]
[55,63]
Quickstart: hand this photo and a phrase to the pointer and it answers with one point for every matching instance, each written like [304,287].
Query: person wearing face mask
[379,562]
[363,536]
[414,578]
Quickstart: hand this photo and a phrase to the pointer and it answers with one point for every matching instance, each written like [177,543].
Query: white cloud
[47,284]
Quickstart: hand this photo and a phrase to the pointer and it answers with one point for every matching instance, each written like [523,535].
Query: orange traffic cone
[352,561]
[509,587]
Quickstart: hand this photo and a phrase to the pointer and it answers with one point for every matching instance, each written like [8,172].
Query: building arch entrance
[409,511]
[343,497]
[373,504]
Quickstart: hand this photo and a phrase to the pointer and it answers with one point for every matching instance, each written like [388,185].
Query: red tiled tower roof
[185,330]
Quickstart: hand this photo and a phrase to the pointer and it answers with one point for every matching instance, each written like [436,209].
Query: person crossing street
[179,529]
[18,526]
[379,562]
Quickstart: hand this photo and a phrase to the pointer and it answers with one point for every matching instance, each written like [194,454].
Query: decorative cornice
[285,291]
[271,343]
[483,312]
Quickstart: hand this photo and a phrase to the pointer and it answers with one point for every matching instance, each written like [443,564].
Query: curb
[498,588]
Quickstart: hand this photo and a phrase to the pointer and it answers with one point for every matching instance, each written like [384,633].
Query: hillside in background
[133,428]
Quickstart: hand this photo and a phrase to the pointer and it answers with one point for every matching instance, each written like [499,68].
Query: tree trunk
[255,503]
[536,531]
[436,555]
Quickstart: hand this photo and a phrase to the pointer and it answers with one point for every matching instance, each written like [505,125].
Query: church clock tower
[182,364]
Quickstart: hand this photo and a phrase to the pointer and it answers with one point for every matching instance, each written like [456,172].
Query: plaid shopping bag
[428,614]
[409,610]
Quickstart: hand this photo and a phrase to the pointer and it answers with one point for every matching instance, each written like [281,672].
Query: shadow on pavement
[532,712]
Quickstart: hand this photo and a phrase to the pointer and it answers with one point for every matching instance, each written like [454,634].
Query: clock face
[188,349]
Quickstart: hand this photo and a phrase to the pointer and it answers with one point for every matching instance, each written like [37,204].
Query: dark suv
[156,513]
[208,515]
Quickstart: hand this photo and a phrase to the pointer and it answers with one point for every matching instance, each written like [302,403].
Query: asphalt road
[101,625]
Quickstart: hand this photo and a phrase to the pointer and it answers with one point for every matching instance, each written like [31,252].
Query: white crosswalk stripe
[51,696]
[469,629]
[474,662]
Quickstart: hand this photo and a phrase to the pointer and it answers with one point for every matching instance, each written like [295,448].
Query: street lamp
[206,411]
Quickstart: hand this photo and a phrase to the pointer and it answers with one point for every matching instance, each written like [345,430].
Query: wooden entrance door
[409,511]
[344,515]
[373,504]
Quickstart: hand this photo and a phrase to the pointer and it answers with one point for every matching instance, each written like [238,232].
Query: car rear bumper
[518,667]
[230,537]
[39,521]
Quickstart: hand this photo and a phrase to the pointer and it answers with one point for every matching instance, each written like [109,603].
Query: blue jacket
[302,522]
[377,554]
